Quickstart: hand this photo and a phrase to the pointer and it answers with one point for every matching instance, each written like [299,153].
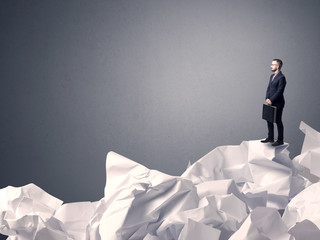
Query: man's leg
[270,138]
[280,124]
[270,130]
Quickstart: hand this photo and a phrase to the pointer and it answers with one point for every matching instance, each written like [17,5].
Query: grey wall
[160,82]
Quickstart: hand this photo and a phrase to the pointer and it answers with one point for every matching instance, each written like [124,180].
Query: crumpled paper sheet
[232,192]
[263,224]
[256,169]
[310,153]
[304,206]
[305,230]
[26,210]
[194,230]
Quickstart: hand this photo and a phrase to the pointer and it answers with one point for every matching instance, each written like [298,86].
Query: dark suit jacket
[275,90]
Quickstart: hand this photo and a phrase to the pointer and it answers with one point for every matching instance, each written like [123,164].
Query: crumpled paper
[233,192]
[195,230]
[310,153]
[304,206]
[256,169]
[305,230]
[139,200]
[263,224]
[25,211]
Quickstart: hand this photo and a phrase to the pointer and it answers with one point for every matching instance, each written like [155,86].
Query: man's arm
[268,93]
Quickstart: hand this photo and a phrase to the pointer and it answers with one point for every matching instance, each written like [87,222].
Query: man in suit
[274,97]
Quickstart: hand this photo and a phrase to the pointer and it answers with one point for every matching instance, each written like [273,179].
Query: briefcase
[269,113]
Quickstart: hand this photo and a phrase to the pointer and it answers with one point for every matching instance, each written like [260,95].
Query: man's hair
[279,62]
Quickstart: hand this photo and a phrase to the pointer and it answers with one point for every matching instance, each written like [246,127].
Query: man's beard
[273,70]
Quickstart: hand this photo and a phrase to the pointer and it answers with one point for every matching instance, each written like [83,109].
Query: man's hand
[268,101]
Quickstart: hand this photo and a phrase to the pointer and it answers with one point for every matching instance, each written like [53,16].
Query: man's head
[276,65]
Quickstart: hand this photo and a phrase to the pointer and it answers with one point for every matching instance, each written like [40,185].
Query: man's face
[274,66]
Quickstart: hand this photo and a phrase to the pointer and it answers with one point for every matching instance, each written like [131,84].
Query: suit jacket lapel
[277,76]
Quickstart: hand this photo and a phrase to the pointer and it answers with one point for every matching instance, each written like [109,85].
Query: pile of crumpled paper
[233,192]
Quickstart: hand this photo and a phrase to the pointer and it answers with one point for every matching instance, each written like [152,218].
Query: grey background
[160,82]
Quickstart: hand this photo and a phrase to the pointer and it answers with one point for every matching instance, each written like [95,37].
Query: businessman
[274,97]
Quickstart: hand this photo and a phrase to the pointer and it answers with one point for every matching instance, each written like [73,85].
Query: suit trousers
[279,125]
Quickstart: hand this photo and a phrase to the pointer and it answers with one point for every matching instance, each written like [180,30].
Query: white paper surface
[305,230]
[310,153]
[306,205]
[262,223]
[232,192]
[25,210]
[195,230]
[259,168]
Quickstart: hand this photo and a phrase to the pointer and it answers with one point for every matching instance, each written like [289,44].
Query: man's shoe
[277,143]
[267,140]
